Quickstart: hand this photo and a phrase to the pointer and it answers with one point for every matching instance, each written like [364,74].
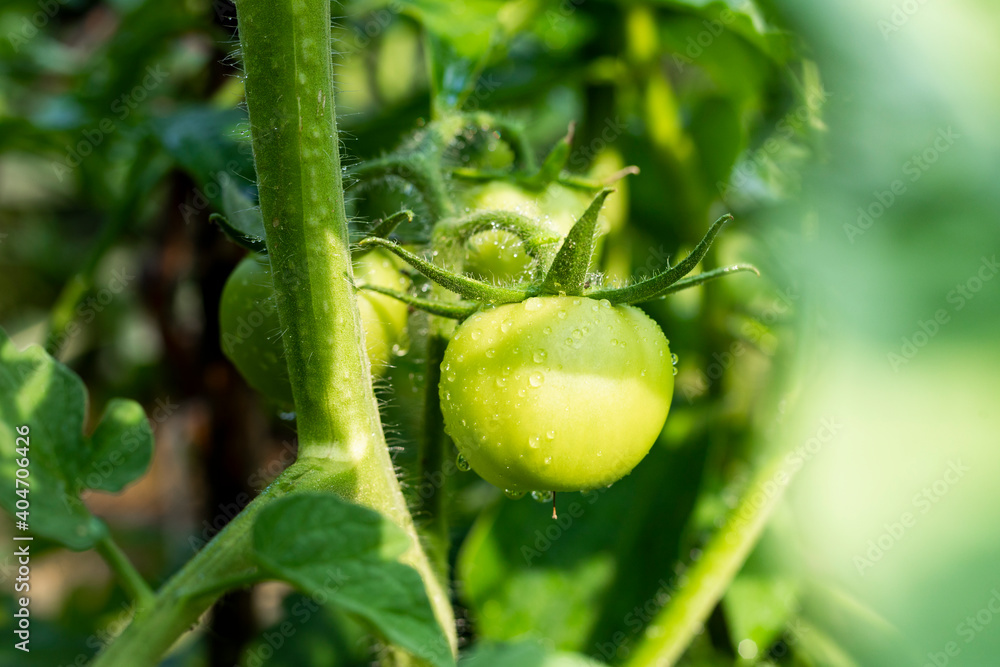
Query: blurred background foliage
[854,143]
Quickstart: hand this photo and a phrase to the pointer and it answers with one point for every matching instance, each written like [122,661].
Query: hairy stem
[289,84]
[671,631]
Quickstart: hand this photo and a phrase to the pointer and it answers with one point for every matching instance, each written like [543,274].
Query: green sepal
[416,169]
[690,281]
[659,284]
[569,269]
[384,227]
[467,288]
[454,311]
[554,163]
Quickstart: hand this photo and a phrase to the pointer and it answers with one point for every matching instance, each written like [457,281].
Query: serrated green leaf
[344,553]
[38,391]
[121,447]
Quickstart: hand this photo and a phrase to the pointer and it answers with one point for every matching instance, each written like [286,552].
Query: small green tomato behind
[251,333]
[556,393]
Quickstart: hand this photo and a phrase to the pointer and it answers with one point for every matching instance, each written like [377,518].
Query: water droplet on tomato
[490,353]
[462,464]
[539,356]
[536,379]
[541,496]
[513,495]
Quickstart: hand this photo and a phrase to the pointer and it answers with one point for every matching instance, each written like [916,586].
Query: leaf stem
[670,633]
[131,580]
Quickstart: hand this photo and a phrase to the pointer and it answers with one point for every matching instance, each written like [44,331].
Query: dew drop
[462,464]
[675,370]
[533,442]
[513,495]
[548,460]
[561,314]
[536,379]
[476,334]
[539,356]
[541,496]
[532,304]
[551,435]
[673,359]
[577,334]
[547,330]
[506,325]
[451,377]
[605,303]
[501,381]
[490,353]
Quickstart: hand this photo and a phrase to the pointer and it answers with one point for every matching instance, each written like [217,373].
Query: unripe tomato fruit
[556,393]
[250,331]
[498,255]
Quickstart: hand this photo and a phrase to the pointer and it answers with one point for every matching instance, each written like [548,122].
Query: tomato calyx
[566,275]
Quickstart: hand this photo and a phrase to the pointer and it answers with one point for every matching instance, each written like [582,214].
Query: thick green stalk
[289,83]
[671,631]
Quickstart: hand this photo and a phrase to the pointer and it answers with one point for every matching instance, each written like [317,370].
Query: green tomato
[498,255]
[556,393]
[251,333]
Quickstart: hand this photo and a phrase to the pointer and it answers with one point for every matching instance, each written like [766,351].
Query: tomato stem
[342,448]
[131,580]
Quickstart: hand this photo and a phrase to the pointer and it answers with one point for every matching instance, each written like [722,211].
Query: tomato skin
[556,393]
[250,330]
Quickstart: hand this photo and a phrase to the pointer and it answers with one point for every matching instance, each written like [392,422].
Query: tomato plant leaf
[345,553]
[38,391]
[120,447]
[460,39]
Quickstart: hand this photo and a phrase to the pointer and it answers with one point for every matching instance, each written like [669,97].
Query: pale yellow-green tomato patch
[556,393]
